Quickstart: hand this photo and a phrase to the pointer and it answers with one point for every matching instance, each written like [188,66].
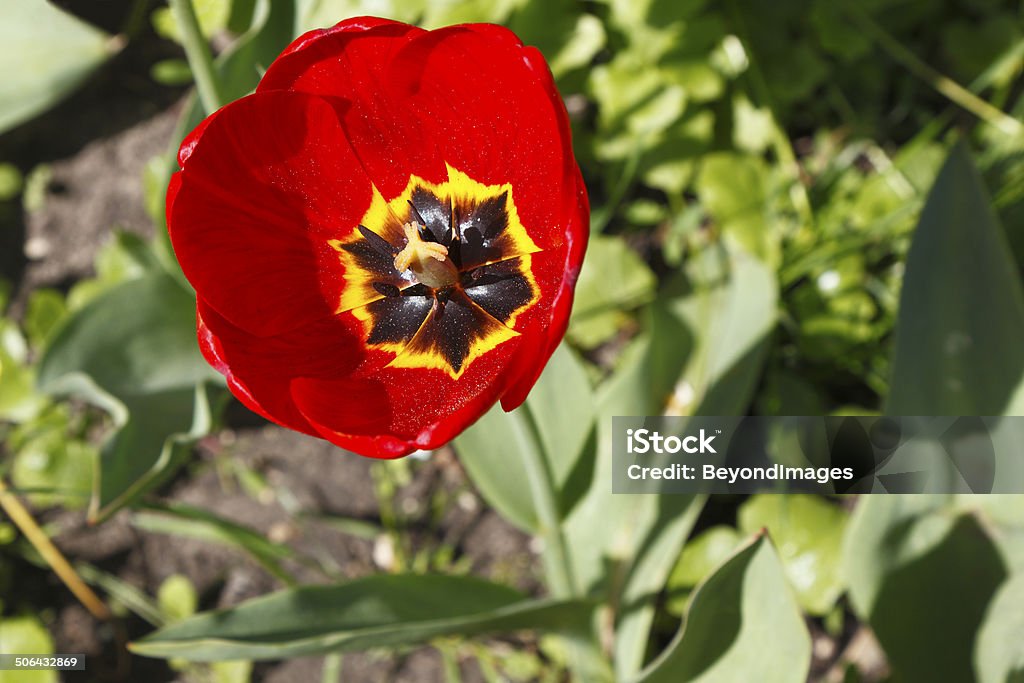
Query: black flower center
[443,279]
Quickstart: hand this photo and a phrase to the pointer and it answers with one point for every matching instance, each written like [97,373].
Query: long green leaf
[742,624]
[375,612]
[45,54]
[717,370]
[961,316]
[190,522]
[556,422]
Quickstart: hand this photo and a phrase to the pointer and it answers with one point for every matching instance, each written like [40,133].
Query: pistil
[428,261]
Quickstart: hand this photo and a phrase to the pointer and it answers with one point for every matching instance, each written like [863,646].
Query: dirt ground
[96,144]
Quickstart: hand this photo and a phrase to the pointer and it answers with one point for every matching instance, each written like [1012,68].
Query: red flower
[385,236]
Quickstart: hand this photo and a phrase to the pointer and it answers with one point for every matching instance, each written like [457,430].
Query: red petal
[259,370]
[493,109]
[352,25]
[346,65]
[270,180]
[531,360]
[396,410]
[503,121]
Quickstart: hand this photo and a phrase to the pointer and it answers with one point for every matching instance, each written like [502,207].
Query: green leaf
[125,257]
[699,558]
[19,400]
[643,535]
[45,54]
[1004,514]
[562,407]
[46,308]
[211,14]
[177,598]
[836,33]
[137,339]
[232,671]
[605,527]
[808,534]
[742,624]
[122,594]
[636,537]
[999,654]
[132,351]
[49,462]
[314,14]
[637,104]
[556,421]
[172,72]
[25,634]
[961,312]
[736,190]
[597,307]
[732,322]
[568,38]
[922,575]
[975,48]
[190,522]
[11,182]
[383,611]
[242,65]
[438,14]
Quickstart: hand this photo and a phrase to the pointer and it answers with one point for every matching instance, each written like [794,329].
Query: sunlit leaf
[699,558]
[177,598]
[211,14]
[736,190]
[46,308]
[556,423]
[50,465]
[742,624]
[25,634]
[999,653]
[45,54]
[808,534]
[614,278]
[568,38]
[19,400]
[700,354]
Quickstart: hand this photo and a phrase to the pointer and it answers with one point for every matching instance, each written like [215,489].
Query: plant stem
[23,519]
[558,566]
[943,84]
[200,60]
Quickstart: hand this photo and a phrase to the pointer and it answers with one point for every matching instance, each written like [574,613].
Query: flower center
[428,260]
[439,274]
